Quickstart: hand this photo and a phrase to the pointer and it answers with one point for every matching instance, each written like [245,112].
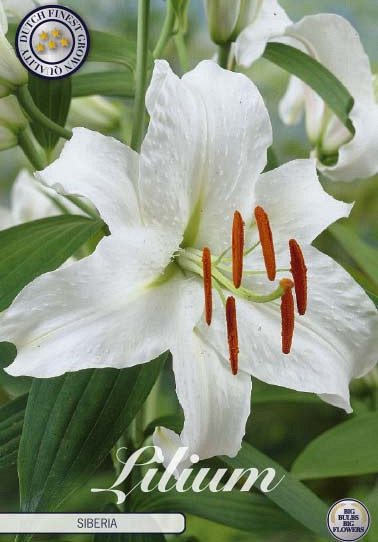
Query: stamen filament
[287,315]
[232,334]
[299,272]
[188,260]
[251,248]
[266,239]
[206,267]
[220,258]
[237,249]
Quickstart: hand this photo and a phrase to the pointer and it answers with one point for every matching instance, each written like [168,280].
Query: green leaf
[348,449]
[104,83]
[33,248]
[101,537]
[238,510]
[309,70]
[128,538]
[112,48]
[71,424]
[290,495]
[53,98]
[363,255]
[11,421]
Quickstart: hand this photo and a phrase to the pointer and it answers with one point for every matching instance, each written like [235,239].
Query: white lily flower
[94,112]
[12,122]
[12,72]
[171,211]
[31,200]
[17,9]
[341,155]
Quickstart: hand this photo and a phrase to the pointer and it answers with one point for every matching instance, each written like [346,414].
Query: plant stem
[224,54]
[166,31]
[27,103]
[141,75]
[182,51]
[35,157]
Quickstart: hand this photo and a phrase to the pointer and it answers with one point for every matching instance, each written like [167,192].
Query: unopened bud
[12,121]
[12,73]
[222,16]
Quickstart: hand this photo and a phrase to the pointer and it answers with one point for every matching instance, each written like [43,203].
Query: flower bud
[12,121]
[12,73]
[95,113]
[222,16]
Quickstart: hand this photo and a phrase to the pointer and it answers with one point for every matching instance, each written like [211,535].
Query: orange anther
[266,239]
[237,248]
[287,315]
[206,266]
[299,272]
[232,333]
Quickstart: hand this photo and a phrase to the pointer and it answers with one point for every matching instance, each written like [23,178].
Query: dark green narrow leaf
[238,510]
[71,424]
[329,88]
[11,409]
[104,83]
[331,454]
[11,422]
[290,495]
[53,98]
[33,248]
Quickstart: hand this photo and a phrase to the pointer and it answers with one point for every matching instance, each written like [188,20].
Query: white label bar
[92,523]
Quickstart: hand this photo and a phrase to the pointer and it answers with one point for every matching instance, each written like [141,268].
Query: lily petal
[205,147]
[267,21]
[324,36]
[216,413]
[334,342]
[101,169]
[359,157]
[94,313]
[291,106]
[296,203]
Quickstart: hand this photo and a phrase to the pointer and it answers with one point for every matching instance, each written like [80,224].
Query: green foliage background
[280,428]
